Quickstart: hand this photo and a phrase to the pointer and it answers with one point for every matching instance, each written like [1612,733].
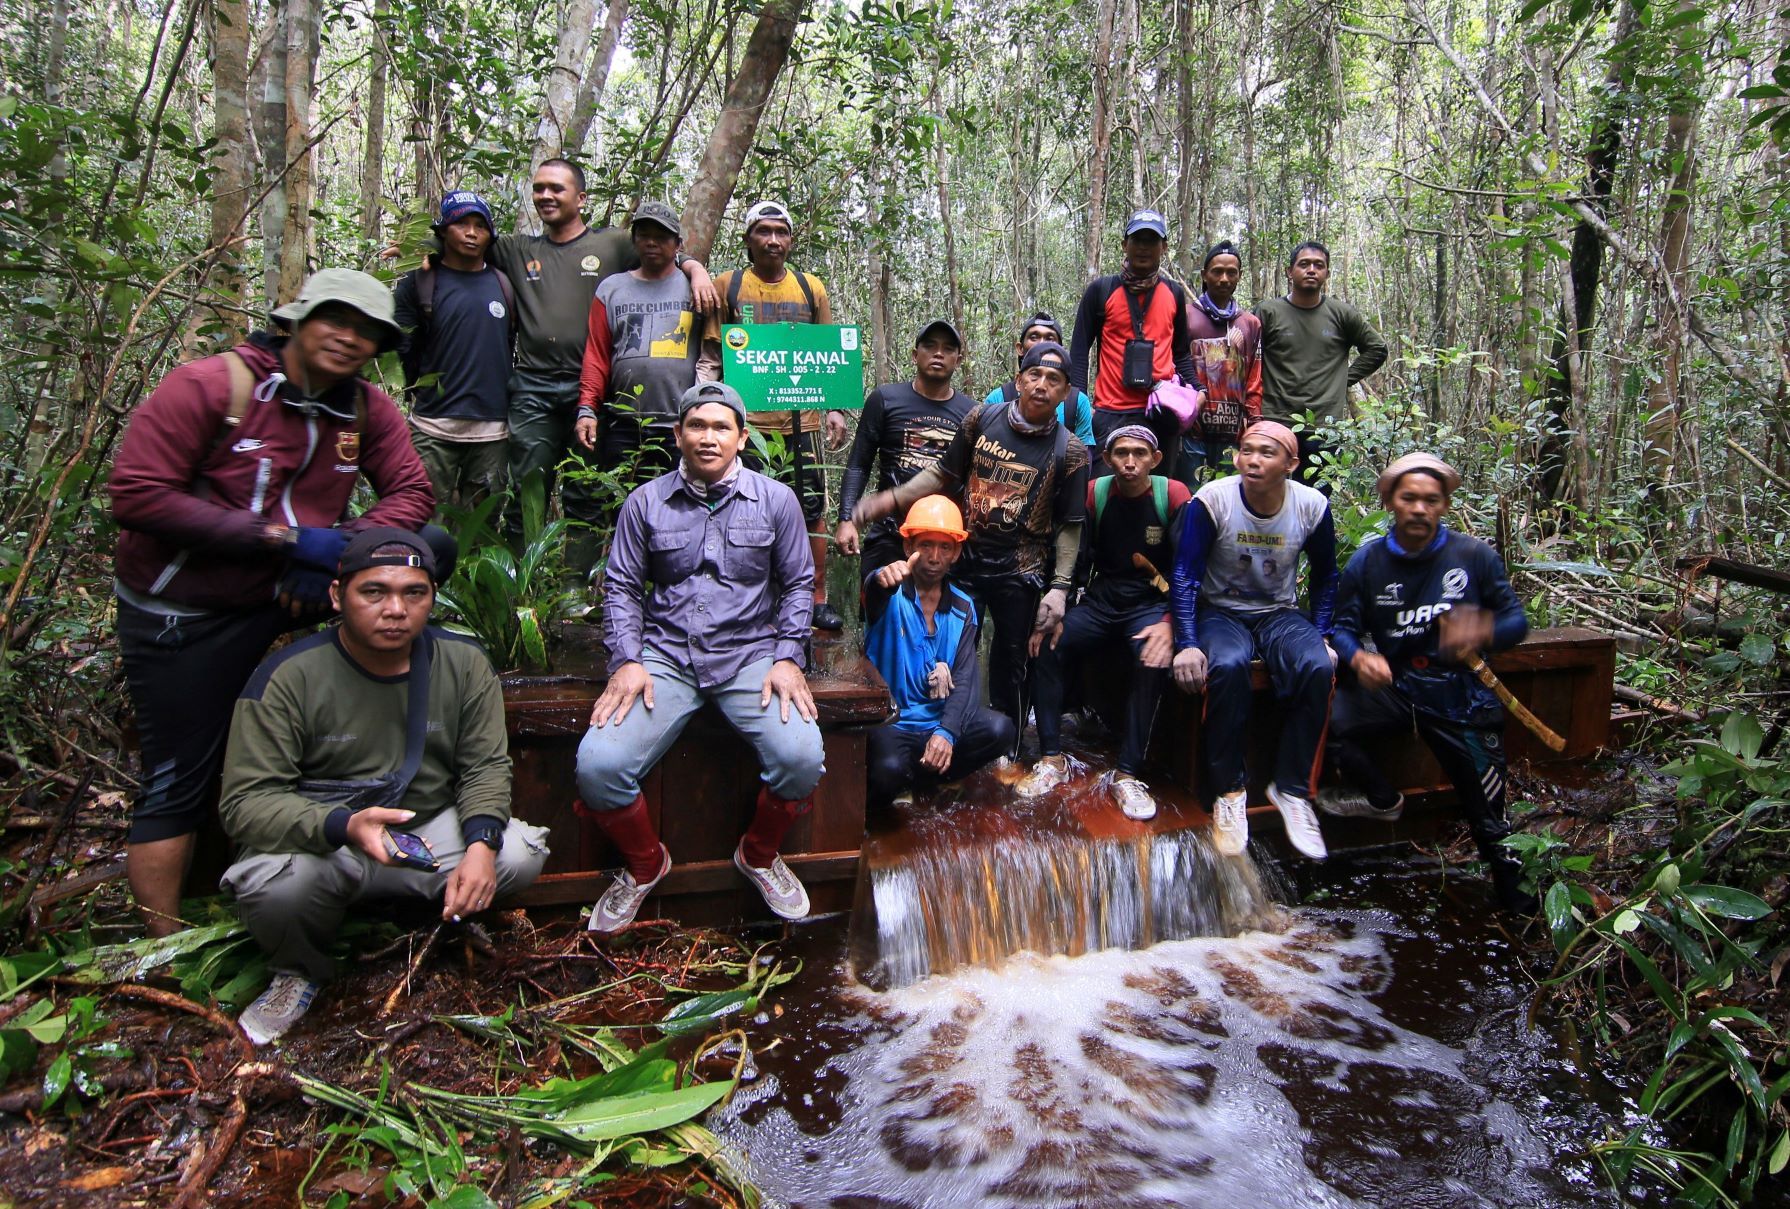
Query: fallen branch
[403,985]
[1746,453]
[1657,704]
[202,1165]
[180,1003]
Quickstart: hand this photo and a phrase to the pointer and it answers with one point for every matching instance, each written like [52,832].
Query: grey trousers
[462,472]
[612,759]
[293,902]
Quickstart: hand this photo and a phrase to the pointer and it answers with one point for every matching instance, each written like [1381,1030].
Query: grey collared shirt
[709,589]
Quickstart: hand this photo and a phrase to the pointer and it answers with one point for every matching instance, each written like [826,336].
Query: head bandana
[1276,432]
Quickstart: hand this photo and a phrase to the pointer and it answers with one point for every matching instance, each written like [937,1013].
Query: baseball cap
[350,287]
[660,213]
[1146,220]
[1047,353]
[712,392]
[458,205]
[1042,319]
[768,211]
[358,555]
[950,330]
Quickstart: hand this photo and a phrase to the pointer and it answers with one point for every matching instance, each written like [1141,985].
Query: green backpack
[1158,491]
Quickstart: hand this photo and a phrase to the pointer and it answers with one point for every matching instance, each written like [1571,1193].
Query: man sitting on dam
[707,597]
[1124,613]
[1234,591]
[920,632]
[1414,609]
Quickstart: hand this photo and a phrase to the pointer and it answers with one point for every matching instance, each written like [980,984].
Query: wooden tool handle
[1144,564]
[1536,726]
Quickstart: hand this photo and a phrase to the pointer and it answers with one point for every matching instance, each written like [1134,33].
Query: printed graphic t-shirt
[1015,492]
[901,432]
[640,351]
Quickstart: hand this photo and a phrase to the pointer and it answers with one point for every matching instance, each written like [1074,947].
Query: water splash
[1259,1070]
[944,907]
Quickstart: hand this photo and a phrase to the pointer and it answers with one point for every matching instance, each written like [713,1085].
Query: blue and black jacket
[1395,598]
[897,642]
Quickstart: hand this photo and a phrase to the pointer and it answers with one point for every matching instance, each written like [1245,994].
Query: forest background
[1570,219]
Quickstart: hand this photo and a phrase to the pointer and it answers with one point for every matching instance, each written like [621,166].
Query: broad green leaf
[1558,905]
[704,1010]
[1741,735]
[1728,902]
[1664,991]
[1666,880]
[56,1078]
[1780,1154]
[466,1196]
[1625,922]
[129,962]
[1744,1071]
[643,1112]
[1758,649]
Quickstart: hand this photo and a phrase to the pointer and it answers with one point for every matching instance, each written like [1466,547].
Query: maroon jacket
[193,507]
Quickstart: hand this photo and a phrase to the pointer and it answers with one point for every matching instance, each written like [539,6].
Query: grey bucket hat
[350,287]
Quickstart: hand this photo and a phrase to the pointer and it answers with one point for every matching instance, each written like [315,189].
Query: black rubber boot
[826,617]
[1507,888]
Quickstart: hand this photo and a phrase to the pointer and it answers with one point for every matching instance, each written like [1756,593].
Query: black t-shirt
[1015,489]
[1127,527]
[465,345]
[901,431]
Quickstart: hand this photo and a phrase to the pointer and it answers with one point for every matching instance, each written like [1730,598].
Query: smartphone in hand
[410,851]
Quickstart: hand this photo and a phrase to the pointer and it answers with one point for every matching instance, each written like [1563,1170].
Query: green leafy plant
[507,599]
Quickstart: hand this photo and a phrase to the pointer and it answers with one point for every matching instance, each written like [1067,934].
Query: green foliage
[1688,940]
[509,599]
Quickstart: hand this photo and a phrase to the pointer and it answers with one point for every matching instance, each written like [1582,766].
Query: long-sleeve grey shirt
[710,584]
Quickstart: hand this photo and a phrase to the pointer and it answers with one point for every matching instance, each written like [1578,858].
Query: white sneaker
[1345,803]
[282,1005]
[1230,822]
[904,798]
[1133,797]
[1048,773]
[1301,823]
[783,891]
[621,902]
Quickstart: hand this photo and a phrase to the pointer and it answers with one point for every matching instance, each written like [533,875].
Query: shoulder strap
[733,296]
[1062,448]
[1009,391]
[425,292]
[1159,492]
[1102,488]
[509,296]
[242,385]
[416,718]
[807,292]
[1138,308]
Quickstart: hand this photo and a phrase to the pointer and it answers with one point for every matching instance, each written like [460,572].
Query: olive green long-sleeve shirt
[311,712]
[1306,363]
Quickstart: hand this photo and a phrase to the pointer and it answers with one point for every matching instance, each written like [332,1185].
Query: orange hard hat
[934,514]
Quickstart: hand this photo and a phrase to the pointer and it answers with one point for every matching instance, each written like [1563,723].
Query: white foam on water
[1147,1077]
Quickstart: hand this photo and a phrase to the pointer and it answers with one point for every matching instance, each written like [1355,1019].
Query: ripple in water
[1256,1071]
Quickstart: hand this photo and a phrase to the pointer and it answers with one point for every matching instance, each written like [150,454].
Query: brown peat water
[1366,1047]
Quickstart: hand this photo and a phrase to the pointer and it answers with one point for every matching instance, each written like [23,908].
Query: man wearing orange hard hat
[920,632]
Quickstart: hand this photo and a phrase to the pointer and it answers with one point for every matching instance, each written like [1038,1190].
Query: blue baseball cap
[1146,220]
[458,205]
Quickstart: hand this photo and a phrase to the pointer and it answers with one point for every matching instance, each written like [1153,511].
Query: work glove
[1050,610]
[316,553]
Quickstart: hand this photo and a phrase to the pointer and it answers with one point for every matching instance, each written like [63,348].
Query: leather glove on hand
[1051,610]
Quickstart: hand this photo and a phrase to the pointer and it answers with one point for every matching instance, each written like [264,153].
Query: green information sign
[780,366]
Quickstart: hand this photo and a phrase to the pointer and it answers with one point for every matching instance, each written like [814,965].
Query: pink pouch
[1179,400]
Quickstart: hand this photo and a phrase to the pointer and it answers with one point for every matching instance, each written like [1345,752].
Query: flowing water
[1370,1051]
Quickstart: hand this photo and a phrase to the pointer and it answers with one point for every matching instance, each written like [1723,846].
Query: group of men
[369,759]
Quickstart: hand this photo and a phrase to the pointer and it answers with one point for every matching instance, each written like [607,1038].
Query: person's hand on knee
[630,680]
[1159,644]
[785,679]
[472,885]
[1190,669]
[937,755]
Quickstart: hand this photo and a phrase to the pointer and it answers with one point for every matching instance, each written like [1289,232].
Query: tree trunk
[766,52]
[1101,139]
[304,29]
[372,167]
[1188,239]
[232,184]
[270,133]
[1019,211]
[596,76]
[947,229]
[1662,427]
[563,83]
